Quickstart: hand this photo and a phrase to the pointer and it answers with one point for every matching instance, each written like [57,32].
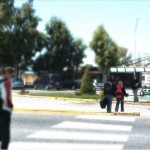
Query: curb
[73,112]
[127,114]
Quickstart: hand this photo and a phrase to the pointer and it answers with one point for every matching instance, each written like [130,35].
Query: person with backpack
[120,92]
[5,107]
[109,87]
[135,85]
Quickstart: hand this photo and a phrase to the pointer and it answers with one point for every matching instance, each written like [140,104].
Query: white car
[145,91]
[97,84]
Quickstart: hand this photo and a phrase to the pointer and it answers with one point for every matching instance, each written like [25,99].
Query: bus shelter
[126,74]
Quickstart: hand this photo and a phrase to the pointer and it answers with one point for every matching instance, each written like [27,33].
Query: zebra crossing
[85,132]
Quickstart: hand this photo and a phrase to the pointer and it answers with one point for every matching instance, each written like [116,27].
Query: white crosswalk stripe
[78,136]
[62,146]
[85,132]
[92,126]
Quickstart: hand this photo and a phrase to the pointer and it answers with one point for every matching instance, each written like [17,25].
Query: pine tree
[87,84]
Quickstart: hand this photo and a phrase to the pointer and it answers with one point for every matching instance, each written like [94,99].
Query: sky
[126,21]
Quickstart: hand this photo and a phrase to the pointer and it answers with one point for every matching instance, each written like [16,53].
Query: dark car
[48,82]
[72,84]
[17,84]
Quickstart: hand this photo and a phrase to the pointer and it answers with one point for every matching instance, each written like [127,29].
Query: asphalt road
[70,132]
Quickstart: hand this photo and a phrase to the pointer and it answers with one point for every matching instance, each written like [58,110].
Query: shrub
[87,83]
[78,93]
[23,92]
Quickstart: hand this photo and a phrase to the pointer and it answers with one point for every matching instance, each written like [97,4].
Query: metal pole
[137,20]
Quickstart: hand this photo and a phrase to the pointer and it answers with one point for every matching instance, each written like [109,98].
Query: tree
[124,57]
[21,39]
[75,57]
[77,54]
[105,49]
[59,44]
[6,12]
[29,40]
[43,62]
[87,83]
[62,50]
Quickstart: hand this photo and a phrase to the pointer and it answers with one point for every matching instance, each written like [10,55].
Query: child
[120,92]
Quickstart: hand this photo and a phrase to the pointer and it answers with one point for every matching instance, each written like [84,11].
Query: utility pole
[135,46]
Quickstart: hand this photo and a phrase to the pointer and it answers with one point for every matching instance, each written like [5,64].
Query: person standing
[135,84]
[109,87]
[120,92]
[6,107]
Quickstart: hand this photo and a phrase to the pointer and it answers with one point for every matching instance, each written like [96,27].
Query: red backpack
[118,92]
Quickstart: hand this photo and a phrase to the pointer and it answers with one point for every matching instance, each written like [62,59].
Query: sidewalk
[27,104]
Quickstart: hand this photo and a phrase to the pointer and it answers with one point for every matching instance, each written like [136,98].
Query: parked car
[145,91]
[77,83]
[49,81]
[98,84]
[72,84]
[18,84]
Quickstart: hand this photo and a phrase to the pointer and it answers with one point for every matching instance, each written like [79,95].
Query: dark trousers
[135,94]
[109,102]
[117,105]
[5,119]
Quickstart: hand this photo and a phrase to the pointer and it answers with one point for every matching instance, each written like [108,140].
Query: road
[81,132]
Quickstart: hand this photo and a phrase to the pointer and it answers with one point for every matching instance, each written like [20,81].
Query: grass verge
[67,95]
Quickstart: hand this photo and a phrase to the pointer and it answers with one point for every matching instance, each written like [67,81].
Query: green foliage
[58,47]
[6,12]
[87,83]
[21,39]
[124,57]
[61,49]
[59,44]
[78,52]
[105,49]
[43,62]
[78,93]
[68,96]
[23,92]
